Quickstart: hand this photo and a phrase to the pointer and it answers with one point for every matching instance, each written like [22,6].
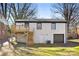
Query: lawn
[48,51]
[69,49]
[51,50]
[74,40]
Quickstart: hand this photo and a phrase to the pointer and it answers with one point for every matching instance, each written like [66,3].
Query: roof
[42,20]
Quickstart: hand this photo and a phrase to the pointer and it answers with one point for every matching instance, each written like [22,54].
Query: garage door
[58,38]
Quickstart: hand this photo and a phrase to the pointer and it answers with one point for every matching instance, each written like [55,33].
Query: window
[39,25]
[53,26]
[26,25]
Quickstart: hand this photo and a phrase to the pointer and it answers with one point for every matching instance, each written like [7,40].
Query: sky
[44,11]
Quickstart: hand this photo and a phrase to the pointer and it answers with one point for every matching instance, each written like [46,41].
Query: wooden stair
[29,35]
[30,38]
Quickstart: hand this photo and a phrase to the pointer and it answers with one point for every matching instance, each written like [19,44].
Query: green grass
[48,50]
[74,40]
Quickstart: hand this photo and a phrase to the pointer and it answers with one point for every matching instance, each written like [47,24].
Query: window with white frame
[53,26]
[26,25]
[39,25]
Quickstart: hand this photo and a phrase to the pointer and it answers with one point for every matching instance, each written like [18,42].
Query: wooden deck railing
[19,28]
[29,35]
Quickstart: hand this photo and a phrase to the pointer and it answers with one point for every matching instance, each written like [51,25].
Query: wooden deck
[21,30]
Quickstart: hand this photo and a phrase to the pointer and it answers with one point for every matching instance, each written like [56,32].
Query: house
[3,33]
[77,30]
[72,31]
[41,30]
[3,30]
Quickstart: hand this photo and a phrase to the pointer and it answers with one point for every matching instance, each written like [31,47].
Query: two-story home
[44,30]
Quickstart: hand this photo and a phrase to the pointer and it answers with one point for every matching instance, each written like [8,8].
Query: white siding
[46,33]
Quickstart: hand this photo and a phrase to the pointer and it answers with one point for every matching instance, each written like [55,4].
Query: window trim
[40,26]
[53,28]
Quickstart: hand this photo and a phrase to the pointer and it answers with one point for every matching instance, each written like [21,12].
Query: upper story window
[39,25]
[53,26]
[26,25]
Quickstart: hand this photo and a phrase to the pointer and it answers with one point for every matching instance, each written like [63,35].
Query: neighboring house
[3,30]
[44,30]
[77,30]
[72,32]
[2,27]
[3,33]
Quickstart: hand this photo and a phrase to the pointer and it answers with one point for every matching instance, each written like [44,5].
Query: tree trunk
[68,30]
[76,32]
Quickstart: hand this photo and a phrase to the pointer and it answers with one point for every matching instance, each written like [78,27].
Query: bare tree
[17,11]
[4,11]
[69,12]
[23,10]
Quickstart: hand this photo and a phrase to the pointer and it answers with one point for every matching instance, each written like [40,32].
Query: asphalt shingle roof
[41,20]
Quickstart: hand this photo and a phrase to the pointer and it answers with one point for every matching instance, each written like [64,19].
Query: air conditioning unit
[48,42]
